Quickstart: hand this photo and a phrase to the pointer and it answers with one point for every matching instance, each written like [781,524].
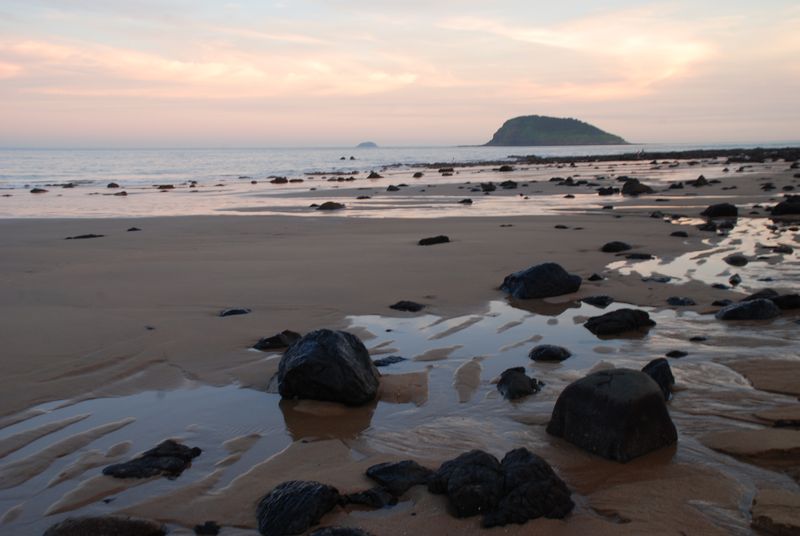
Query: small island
[367,145]
[532,130]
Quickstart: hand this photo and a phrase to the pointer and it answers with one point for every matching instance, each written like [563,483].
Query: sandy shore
[138,311]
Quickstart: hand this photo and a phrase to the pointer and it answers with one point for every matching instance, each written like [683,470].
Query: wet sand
[133,317]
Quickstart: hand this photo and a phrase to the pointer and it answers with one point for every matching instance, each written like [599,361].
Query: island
[531,130]
[367,145]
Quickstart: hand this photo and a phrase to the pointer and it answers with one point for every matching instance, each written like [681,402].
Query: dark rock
[84,236]
[721,210]
[418,175]
[783,248]
[763,294]
[295,506]
[619,321]
[279,180]
[607,191]
[598,301]
[561,226]
[595,277]
[680,234]
[549,352]
[235,311]
[709,227]
[372,498]
[328,365]
[531,490]
[677,354]
[505,168]
[508,185]
[488,187]
[789,207]
[515,384]
[330,205]
[638,256]
[657,279]
[361,197]
[618,414]
[541,281]
[284,339]
[473,483]
[736,259]
[676,186]
[787,301]
[133,229]
[634,187]
[678,301]
[660,371]
[168,459]
[569,196]
[340,531]
[735,279]
[721,303]
[405,305]
[374,175]
[698,182]
[209,528]
[720,286]
[698,338]
[399,477]
[112,185]
[39,191]
[433,240]
[466,201]
[105,526]
[446,170]
[761,309]
[615,247]
[392,188]
[389,360]
[165,187]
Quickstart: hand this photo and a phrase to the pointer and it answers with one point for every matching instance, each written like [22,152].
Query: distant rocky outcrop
[367,145]
[532,130]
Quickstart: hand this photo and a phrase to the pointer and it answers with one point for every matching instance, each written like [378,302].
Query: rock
[541,281]
[372,498]
[634,187]
[362,197]
[392,188]
[235,311]
[105,526]
[698,182]
[549,352]
[133,229]
[163,187]
[405,305]
[618,414]
[787,301]
[505,168]
[284,339]
[418,175]
[638,256]
[488,187]
[209,528]
[677,354]
[515,384]
[736,259]
[466,201]
[112,185]
[595,277]
[709,227]
[340,531]
[531,490]
[763,294]
[386,361]
[735,279]
[783,249]
[168,459]
[84,236]
[761,309]
[399,477]
[615,247]
[721,210]
[508,185]
[698,338]
[721,303]
[561,227]
[279,180]
[657,279]
[677,301]
[598,301]
[776,512]
[433,240]
[607,191]
[473,483]
[39,191]
[295,506]
[374,175]
[680,234]
[328,365]
[619,321]
[789,207]
[330,205]
[446,170]
[660,371]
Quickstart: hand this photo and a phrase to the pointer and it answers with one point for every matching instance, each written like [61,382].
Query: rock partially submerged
[598,301]
[520,488]
[295,506]
[105,526]
[541,281]
[619,414]
[619,322]
[759,309]
[514,384]
[549,352]
[409,306]
[169,459]
[399,477]
[282,340]
[328,365]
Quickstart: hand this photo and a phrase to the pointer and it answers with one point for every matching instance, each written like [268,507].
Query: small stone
[405,305]
[234,311]
[615,247]
[677,354]
[433,240]
[598,301]
[549,352]
[389,360]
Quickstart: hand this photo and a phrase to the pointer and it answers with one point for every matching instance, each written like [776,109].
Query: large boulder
[520,488]
[295,506]
[619,414]
[618,322]
[328,365]
[721,210]
[541,281]
[790,206]
[759,309]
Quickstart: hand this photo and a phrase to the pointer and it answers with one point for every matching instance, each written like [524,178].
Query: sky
[197,73]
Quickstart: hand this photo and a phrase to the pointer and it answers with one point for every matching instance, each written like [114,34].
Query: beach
[133,315]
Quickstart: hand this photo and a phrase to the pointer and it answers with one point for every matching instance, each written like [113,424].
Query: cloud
[9,70]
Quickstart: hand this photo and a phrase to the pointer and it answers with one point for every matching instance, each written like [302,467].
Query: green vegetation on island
[531,130]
